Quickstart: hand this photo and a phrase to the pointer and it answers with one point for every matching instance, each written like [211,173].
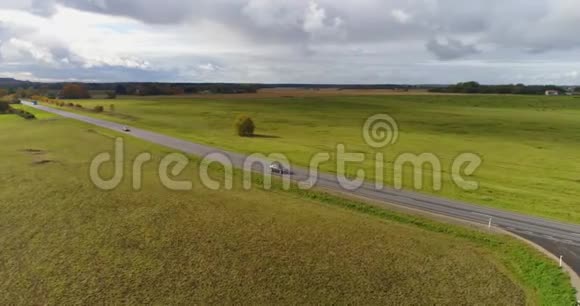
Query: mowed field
[63,241]
[528,144]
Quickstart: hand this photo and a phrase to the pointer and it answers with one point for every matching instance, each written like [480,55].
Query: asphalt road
[558,238]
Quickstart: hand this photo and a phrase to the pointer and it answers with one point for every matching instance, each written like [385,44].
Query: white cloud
[319,25]
[571,74]
[209,67]
[115,61]
[17,50]
[401,16]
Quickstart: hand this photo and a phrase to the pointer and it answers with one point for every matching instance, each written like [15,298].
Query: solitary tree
[244,126]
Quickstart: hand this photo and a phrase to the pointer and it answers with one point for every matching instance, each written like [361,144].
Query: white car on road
[277,167]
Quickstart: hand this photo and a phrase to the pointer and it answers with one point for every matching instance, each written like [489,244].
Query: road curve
[559,238]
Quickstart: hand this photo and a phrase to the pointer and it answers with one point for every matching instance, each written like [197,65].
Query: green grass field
[529,144]
[63,241]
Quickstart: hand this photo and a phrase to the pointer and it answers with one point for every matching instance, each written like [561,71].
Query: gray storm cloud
[450,49]
[150,11]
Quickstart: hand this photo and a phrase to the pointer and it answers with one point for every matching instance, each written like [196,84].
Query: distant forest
[151,89]
[517,89]
[154,89]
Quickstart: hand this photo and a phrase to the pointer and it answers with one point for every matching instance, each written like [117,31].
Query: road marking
[480,214]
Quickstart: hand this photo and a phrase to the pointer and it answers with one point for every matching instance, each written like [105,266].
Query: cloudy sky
[295,41]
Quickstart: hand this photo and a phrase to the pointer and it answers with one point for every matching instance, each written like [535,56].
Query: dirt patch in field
[43,162]
[34,151]
[38,156]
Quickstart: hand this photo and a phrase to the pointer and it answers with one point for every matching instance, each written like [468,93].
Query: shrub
[71,104]
[111,95]
[78,105]
[27,115]
[98,109]
[112,108]
[24,114]
[244,126]
[4,107]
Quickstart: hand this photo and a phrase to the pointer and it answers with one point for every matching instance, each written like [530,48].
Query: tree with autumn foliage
[75,91]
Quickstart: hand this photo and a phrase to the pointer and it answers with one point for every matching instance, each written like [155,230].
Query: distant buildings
[552,92]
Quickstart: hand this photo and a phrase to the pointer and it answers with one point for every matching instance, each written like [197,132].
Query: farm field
[534,139]
[64,241]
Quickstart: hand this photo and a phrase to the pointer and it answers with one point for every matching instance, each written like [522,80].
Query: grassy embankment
[64,241]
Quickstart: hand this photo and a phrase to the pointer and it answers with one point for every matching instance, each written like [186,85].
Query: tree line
[83,91]
[517,89]
[111,90]
[156,89]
